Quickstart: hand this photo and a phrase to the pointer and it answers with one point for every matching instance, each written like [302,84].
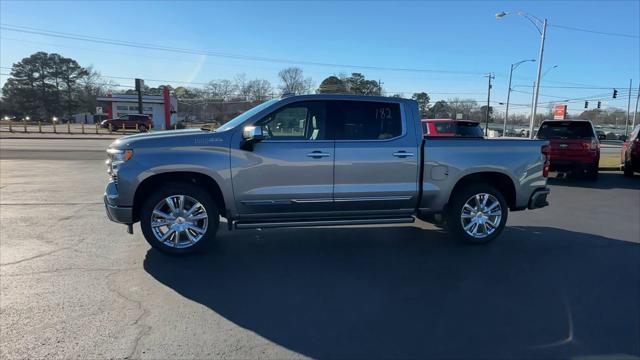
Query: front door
[376,158]
[290,173]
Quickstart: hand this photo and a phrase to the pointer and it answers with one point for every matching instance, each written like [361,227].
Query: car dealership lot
[560,282]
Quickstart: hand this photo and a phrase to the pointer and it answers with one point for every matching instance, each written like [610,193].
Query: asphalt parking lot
[561,282]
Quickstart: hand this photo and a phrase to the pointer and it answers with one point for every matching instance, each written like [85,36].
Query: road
[560,282]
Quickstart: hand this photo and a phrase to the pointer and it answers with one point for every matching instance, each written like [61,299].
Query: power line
[94,39]
[595,31]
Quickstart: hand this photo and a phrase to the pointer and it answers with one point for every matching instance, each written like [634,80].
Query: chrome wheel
[481,215]
[179,221]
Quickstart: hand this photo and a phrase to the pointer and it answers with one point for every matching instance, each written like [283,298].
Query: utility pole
[379,87]
[626,123]
[139,89]
[486,127]
[636,112]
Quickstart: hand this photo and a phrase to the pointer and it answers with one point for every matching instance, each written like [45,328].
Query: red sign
[560,112]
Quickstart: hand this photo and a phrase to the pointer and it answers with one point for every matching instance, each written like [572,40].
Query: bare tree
[259,89]
[220,89]
[462,106]
[293,81]
[242,86]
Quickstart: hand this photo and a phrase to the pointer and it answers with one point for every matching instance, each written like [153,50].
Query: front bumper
[122,215]
[119,214]
[539,198]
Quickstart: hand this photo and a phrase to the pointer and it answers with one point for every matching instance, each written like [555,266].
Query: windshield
[565,130]
[245,115]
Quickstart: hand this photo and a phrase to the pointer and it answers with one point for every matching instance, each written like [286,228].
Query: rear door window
[365,120]
[566,130]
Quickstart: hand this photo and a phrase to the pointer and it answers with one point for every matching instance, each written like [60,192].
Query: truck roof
[346,97]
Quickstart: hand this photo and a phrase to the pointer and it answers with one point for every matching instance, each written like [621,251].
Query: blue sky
[455,36]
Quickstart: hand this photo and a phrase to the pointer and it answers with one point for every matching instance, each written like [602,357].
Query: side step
[313,223]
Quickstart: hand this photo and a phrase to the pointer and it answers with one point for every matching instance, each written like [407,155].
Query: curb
[609,168]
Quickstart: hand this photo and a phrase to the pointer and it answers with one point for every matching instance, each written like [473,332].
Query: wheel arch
[150,183]
[502,182]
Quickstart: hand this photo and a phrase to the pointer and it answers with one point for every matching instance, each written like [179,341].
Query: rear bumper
[570,165]
[539,198]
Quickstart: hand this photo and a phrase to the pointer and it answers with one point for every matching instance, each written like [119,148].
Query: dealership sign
[560,112]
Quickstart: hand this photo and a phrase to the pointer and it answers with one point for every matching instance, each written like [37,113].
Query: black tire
[142,128]
[592,172]
[454,214]
[628,170]
[192,191]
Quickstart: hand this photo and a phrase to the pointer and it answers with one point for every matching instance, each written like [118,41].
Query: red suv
[140,122]
[448,127]
[630,153]
[574,146]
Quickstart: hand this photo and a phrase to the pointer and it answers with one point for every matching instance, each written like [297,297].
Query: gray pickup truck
[319,160]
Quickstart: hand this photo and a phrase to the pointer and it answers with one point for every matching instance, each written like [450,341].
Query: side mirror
[250,136]
[252,133]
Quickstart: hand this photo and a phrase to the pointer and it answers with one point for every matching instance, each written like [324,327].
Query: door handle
[402,154]
[318,154]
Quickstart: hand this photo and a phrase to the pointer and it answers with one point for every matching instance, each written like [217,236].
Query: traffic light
[598,104]
[586,104]
[615,93]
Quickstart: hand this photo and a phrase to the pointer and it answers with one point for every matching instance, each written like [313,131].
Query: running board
[313,223]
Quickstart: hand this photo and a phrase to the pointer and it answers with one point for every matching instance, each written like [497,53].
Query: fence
[80,129]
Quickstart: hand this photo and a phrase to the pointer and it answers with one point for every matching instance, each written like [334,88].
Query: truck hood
[187,137]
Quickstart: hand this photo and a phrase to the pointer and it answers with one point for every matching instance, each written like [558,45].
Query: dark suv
[139,122]
[630,153]
[574,146]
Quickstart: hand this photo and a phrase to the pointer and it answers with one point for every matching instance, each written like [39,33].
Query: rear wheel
[179,218]
[592,172]
[628,170]
[477,213]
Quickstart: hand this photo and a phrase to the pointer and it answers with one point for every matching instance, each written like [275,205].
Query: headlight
[117,157]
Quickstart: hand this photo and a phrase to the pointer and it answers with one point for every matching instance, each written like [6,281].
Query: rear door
[376,157]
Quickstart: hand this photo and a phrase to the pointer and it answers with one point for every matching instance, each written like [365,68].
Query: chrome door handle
[402,154]
[318,154]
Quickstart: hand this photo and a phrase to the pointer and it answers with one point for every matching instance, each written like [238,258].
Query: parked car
[448,127]
[574,146]
[630,153]
[140,122]
[318,160]
[601,135]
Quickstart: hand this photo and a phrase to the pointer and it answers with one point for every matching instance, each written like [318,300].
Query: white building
[162,108]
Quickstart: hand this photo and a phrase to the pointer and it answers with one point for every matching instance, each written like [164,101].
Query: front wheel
[179,218]
[477,213]
[142,128]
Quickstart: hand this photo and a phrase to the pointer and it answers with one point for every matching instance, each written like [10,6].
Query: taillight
[546,151]
[593,145]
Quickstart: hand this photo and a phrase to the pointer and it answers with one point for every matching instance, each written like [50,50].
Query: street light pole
[543,33]
[537,91]
[506,115]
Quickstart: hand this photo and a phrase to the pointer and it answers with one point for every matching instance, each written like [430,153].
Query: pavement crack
[144,313]
[67,269]
[36,256]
